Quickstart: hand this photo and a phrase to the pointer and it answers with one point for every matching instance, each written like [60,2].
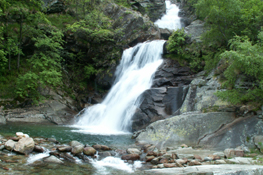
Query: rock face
[166,95]
[185,128]
[25,145]
[135,27]
[153,8]
[201,97]
[59,110]
[195,30]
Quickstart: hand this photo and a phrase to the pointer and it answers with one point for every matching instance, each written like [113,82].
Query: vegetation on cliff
[232,44]
[55,46]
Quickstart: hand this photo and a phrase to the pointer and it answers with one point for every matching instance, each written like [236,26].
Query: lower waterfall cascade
[134,75]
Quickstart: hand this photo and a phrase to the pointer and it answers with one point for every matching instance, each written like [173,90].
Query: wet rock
[131,157]
[104,154]
[152,153]
[75,143]
[155,161]
[89,151]
[10,144]
[77,149]
[169,165]
[68,157]
[208,159]
[133,151]
[65,149]
[53,159]
[105,148]
[164,160]
[39,149]
[194,162]
[149,158]
[25,145]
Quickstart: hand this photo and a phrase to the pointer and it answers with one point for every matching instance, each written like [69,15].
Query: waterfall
[170,20]
[134,75]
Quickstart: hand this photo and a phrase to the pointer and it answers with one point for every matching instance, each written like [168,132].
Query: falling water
[170,20]
[133,76]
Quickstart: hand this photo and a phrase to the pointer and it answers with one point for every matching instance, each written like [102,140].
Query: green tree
[46,67]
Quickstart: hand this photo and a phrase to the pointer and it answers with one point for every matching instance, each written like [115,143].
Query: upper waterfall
[133,76]
[170,20]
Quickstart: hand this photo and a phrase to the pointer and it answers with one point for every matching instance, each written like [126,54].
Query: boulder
[194,162]
[186,128]
[38,149]
[65,149]
[53,159]
[25,145]
[10,144]
[104,154]
[131,157]
[75,143]
[133,151]
[258,141]
[89,151]
[169,165]
[77,149]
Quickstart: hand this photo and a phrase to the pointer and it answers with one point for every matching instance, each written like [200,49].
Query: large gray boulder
[25,145]
[186,128]
[201,95]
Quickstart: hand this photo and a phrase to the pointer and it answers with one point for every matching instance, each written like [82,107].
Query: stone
[104,154]
[188,128]
[65,149]
[208,159]
[105,148]
[194,162]
[2,147]
[53,159]
[220,154]
[149,158]
[75,143]
[164,160]
[131,157]
[20,135]
[186,156]
[133,151]
[38,149]
[89,151]
[152,153]
[77,149]
[181,161]
[197,157]
[220,162]
[169,165]
[229,153]
[25,145]
[155,161]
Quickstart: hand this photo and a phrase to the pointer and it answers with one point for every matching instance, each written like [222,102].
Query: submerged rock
[53,159]
[131,157]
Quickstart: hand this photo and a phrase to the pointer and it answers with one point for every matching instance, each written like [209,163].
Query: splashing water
[133,76]
[170,20]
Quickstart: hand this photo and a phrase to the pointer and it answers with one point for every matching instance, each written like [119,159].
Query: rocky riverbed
[21,154]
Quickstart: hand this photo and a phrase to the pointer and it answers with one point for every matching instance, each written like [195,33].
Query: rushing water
[133,76]
[170,20]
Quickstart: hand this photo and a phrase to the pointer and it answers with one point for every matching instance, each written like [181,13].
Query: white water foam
[170,20]
[134,75]
[115,163]
[34,157]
